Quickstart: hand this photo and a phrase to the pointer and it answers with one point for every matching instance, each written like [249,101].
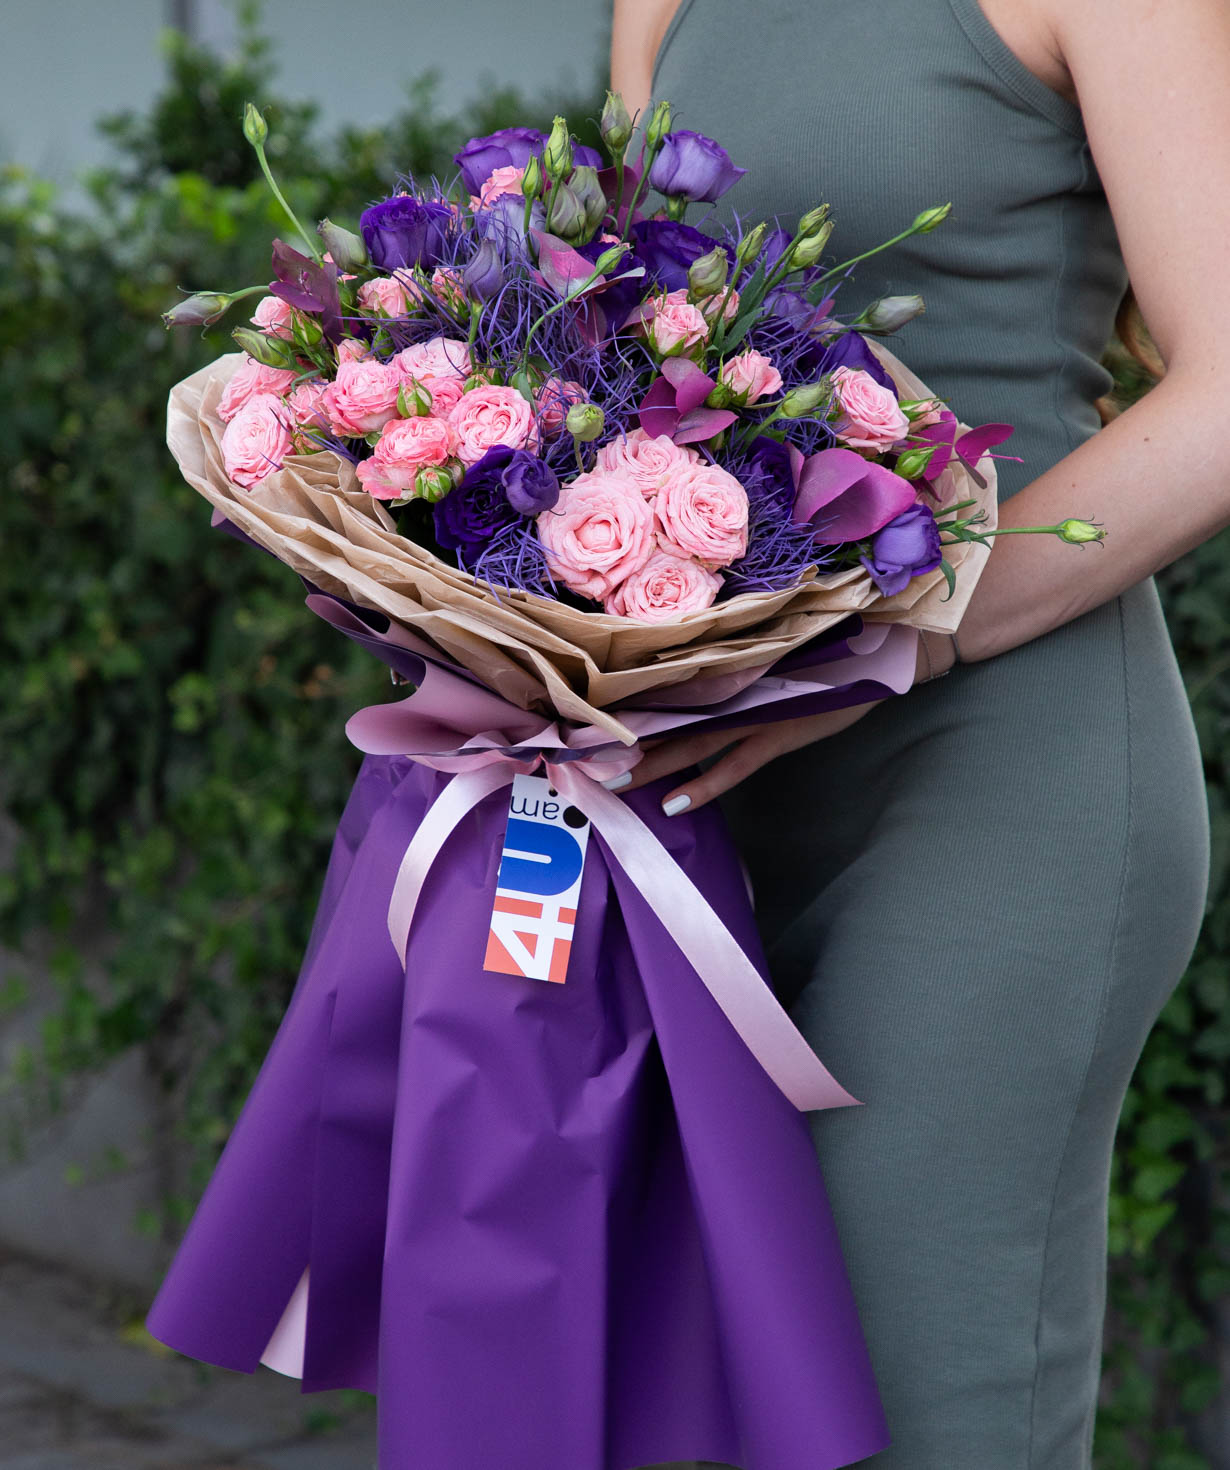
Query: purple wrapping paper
[553,1227]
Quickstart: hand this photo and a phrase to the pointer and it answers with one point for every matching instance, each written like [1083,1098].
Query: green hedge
[171,716]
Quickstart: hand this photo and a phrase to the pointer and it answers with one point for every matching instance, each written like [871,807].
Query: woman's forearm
[1158,480]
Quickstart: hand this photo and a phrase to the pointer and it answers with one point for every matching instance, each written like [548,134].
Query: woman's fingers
[748,755]
[668,756]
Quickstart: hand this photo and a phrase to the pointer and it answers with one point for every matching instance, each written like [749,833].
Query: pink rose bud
[701,511]
[649,461]
[447,288]
[351,349]
[248,379]
[599,531]
[307,405]
[504,180]
[665,588]
[486,416]
[273,316]
[673,324]
[405,447]
[256,440]
[749,376]
[552,401]
[871,417]
[363,396]
[728,301]
[388,295]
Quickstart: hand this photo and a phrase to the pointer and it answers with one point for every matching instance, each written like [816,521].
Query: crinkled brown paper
[313,515]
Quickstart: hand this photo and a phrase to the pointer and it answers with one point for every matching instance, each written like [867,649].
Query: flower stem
[313,249]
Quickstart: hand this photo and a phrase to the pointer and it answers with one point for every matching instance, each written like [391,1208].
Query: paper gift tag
[539,883]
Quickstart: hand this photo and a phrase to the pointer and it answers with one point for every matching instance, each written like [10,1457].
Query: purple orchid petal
[971,446]
[691,384]
[702,423]
[941,435]
[658,412]
[858,496]
[560,266]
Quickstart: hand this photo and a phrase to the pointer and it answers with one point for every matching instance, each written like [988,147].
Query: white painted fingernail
[677,804]
[617,783]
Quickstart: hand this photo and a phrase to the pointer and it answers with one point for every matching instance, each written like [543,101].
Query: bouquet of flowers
[582,475]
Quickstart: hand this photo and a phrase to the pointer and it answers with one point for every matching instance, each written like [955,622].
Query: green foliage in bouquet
[174,763]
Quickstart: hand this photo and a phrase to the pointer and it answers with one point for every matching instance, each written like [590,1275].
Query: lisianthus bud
[584,421]
[1080,531]
[531,178]
[432,484]
[483,276]
[201,310]
[416,403]
[813,219]
[720,396]
[584,184]
[255,128]
[347,249]
[805,400]
[707,273]
[609,259]
[615,125]
[888,314]
[914,462]
[749,247]
[659,126]
[929,219]
[266,350]
[810,248]
[557,153]
[565,214]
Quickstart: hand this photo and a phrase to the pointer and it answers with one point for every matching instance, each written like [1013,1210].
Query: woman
[978,896]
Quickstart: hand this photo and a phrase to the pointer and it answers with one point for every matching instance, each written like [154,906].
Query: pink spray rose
[871,417]
[256,440]
[388,295]
[273,315]
[406,446]
[438,357]
[249,379]
[486,416]
[727,300]
[307,404]
[673,324]
[649,460]
[446,287]
[599,531]
[552,401]
[664,589]
[750,375]
[351,349]
[701,511]
[503,180]
[363,396]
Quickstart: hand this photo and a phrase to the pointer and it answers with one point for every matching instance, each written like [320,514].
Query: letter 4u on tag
[539,883]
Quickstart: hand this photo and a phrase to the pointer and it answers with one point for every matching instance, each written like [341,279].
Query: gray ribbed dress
[977,898]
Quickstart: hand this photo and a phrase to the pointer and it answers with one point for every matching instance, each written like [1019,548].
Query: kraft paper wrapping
[540,654]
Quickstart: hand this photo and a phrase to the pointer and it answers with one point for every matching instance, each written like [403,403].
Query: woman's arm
[637,28]
[1154,88]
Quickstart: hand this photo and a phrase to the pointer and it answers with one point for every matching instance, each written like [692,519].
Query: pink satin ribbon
[683,911]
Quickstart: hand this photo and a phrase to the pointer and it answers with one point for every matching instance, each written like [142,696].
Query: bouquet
[528,1156]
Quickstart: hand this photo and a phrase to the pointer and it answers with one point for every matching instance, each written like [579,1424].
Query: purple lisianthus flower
[906,547]
[492,497]
[509,147]
[667,247]
[503,220]
[691,166]
[403,231]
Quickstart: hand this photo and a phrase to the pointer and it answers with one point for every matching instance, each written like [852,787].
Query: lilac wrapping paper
[553,1227]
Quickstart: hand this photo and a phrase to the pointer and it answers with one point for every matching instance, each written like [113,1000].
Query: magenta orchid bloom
[563,269]
[857,497]
[969,447]
[675,404]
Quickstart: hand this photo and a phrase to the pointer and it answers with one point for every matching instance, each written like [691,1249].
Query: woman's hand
[756,745]
[750,749]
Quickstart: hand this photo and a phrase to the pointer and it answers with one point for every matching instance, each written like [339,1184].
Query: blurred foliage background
[171,718]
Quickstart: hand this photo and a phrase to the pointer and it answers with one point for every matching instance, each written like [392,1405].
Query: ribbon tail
[460,796]
[709,947]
